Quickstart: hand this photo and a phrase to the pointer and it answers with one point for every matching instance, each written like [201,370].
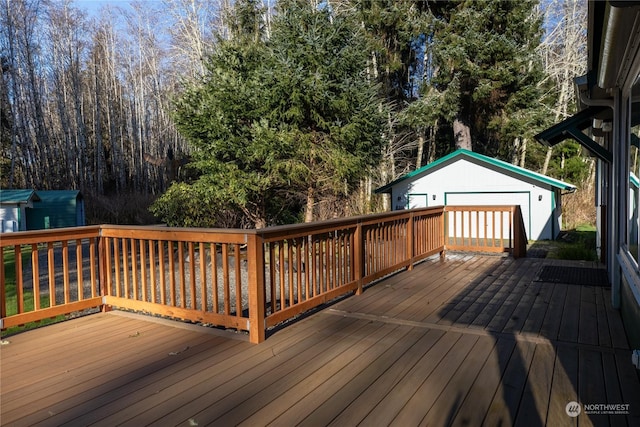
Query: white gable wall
[463,182]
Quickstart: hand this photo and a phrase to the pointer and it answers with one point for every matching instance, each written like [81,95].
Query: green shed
[56,209]
[14,205]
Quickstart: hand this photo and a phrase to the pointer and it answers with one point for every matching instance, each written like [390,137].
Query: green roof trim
[18,196]
[489,161]
[633,179]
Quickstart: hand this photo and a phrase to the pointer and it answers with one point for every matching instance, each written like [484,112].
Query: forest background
[261,112]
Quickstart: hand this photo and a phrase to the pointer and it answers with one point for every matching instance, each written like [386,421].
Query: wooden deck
[472,340]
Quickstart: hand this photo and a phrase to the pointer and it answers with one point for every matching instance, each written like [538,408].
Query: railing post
[102,266]
[255,266]
[410,245]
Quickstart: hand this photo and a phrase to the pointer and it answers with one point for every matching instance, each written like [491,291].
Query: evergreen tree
[486,70]
[398,29]
[223,117]
[326,106]
[279,122]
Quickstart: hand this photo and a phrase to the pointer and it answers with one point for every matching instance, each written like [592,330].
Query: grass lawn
[576,244]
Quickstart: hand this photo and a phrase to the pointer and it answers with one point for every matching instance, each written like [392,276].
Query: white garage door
[498,199]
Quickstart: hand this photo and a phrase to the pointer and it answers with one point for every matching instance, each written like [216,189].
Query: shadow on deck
[471,340]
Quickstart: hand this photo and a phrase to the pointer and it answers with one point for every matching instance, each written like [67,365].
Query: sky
[92,7]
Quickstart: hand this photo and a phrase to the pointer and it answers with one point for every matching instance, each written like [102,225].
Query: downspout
[584,99]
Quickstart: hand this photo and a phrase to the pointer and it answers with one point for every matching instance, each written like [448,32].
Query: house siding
[630,310]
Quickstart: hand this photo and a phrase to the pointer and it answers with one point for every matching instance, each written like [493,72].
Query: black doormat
[573,275]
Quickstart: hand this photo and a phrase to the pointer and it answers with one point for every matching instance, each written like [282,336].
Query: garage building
[465,178]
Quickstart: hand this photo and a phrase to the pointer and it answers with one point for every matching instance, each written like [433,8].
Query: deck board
[470,340]
[507,398]
[478,400]
[535,399]
[361,404]
[563,387]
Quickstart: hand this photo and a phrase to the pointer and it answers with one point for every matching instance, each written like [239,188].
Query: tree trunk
[431,155]
[516,151]
[420,149]
[462,134]
[523,152]
[308,213]
[547,159]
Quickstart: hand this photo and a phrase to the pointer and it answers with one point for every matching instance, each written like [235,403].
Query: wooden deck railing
[243,279]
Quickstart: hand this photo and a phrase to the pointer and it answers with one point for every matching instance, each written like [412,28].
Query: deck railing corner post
[102,270]
[255,266]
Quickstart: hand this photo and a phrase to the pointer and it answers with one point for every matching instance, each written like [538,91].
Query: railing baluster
[92,266]
[141,266]
[298,255]
[161,272]
[79,274]
[307,267]
[238,274]
[152,269]
[203,277]
[272,276]
[65,271]
[290,271]
[281,275]
[225,278]
[134,268]
[183,275]
[125,267]
[214,278]
[35,276]
[192,274]
[17,251]
[172,273]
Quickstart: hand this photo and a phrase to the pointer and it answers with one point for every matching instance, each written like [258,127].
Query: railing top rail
[489,208]
[51,235]
[217,235]
[297,230]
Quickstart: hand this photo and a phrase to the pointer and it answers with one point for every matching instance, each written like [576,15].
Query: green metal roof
[57,195]
[489,162]
[18,196]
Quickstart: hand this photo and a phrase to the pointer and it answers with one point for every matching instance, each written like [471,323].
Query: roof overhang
[573,127]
